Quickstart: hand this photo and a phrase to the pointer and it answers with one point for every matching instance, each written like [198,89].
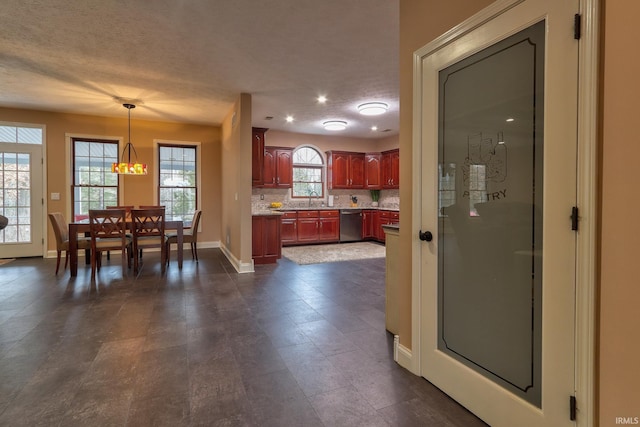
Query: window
[94,185]
[308,173]
[21,135]
[177,189]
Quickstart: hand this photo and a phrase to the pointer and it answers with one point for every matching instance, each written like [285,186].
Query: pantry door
[498,120]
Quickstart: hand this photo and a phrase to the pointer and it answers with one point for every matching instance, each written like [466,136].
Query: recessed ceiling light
[335,125]
[374,128]
[322,99]
[373,108]
[289,119]
[510,119]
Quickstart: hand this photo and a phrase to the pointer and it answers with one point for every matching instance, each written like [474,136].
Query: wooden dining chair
[108,229]
[149,232]
[127,209]
[61,231]
[190,235]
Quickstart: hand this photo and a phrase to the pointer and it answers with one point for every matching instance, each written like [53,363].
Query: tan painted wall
[420,22]
[619,348]
[236,180]
[139,190]
[325,143]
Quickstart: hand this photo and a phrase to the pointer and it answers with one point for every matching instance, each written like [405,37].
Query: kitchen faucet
[311,193]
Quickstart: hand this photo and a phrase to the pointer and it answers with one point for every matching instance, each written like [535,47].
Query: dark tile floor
[288,345]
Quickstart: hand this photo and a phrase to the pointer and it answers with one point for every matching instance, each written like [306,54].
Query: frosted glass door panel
[490,211]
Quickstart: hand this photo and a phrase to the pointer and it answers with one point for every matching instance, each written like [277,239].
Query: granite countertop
[336,208]
[266,212]
[279,211]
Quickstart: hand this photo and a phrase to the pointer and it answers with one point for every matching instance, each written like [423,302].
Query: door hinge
[574,218]
[577,26]
[572,408]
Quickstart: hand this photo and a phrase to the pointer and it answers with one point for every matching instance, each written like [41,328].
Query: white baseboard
[241,267]
[402,355]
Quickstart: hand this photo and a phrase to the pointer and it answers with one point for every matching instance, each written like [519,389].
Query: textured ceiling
[187,60]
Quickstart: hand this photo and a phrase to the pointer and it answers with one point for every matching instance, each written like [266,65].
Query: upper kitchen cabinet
[345,170]
[372,174]
[277,167]
[257,156]
[390,169]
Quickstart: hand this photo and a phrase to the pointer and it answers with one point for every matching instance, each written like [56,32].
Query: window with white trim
[308,173]
[177,181]
[93,184]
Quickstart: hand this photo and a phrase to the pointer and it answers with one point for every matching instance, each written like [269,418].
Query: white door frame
[43,183]
[586,198]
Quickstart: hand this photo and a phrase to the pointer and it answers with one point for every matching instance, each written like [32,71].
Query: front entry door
[21,191]
[499,183]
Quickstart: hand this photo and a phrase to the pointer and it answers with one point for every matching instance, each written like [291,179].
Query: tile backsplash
[261,198]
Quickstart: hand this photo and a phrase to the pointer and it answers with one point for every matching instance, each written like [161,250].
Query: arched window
[308,173]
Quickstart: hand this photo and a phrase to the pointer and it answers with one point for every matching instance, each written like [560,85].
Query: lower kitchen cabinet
[329,230]
[289,229]
[310,226]
[381,218]
[267,243]
[367,224]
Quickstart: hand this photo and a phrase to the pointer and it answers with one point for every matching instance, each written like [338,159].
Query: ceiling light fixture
[129,168]
[373,108]
[334,125]
[322,99]
[374,128]
[289,119]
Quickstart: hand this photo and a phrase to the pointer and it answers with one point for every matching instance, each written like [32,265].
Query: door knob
[425,235]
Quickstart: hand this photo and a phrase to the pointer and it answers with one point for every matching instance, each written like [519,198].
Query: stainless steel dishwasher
[350,225]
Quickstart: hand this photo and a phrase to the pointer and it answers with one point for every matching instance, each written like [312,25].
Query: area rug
[316,254]
[6,261]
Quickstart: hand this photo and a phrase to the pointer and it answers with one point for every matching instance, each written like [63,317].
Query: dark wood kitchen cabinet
[289,228]
[257,156]
[381,218]
[308,226]
[266,241]
[372,173]
[345,170]
[367,224]
[329,230]
[390,169]
[277,167]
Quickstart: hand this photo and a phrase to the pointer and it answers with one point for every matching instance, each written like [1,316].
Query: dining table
[83,227]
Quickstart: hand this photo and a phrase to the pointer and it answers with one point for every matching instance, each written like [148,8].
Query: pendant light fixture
[127,167]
